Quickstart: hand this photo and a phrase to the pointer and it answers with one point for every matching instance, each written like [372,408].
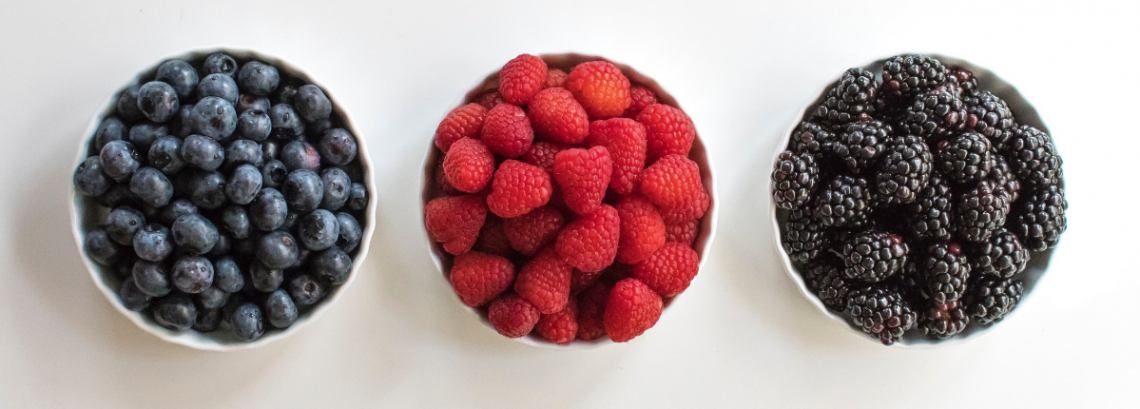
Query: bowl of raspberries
[221,200]
[568,200]
[918,199]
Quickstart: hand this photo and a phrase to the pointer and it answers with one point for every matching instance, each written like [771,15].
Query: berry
[545,282]
[300,155]
[935,115]
[244,184]
[632,308]
[122,223]
[89,178]
[243,152]
[672,181]
[682,232]
[829,284]
[350,233]
[507,131]
[268,209]
[119,160]
[852,97]
[873,256]
[463,122]
[640,97]
[357,197]
[668,271]
[583,175]
[642,230]
[152,279]
[207,189]
[151,243]
[1001,173]
[157,101]
[337,147]
[542,154]
[287,125]
[247,322]
[455,221]
[254,124]
[489,99]
[219,85]
[442,183]
[227,275]
[555,78]
[1040,218]
[981,210]
[214,117]
[861,144]
[590,242]
[534,230]
[601,88]
[944,320]
[280,309]
[906,168]
[192,275]
[202,152]
[960,82]
[512,316]
[176,312]
[521,78]
[844,202]
[144,134]
[944,270]
[803,237]
[812,138]
[180,75]
[965,158]
[194,234]
[220,63]
[560,327]
[794,179]
[910,75]
[990,116]
[625,139]
[469,165]
[492,238]
[305,290]
[929,216]
[336,184]
[478,278]
[318,230]
[127,106]
[557,117]
[249,102]
[331,266]
[312,103]
[517,188]
[690,210]
[132,298]
[277,250]
[990,299]
[151,187]
[1032,155]
[1001,256]
[110,129]
[882,312]
[258,78]
[591,311]
[580,280]
[668,131]
[303,190]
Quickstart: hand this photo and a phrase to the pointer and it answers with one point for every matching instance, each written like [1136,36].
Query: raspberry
[672,181]
[513,316]
[683,232]
[463,122]
[581,280]
[590,242]
[507,131]
[668,271]
[668,130]
[640,97]
[468,165]
[533,231]
[625,139]
[478,278]
[591,311]
[542,154]
[521,78]
[492,238]
[455,221]
[489,99]
[631,309]
[560,327]
[642,230]
[555,78]
[690,210]
[583,175]
[518,188]
[557,117]
[545,282]
[441,182]
[601,88]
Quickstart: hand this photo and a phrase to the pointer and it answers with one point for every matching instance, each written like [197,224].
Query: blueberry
[207,189]
[208,320]
[181,125]
[152,278]
[285,94]
[175,312]
[202,152]
[153,243]
[110,129]
[268,210]
[219,63]
[357,197]
[331,266]
[219,85]
[337,147]
[214,117]
[227,275]
[144,134]
[280,309]
[152,187]
[166,155]
[300,155]
[318,128]
[194,234]
[118,195]
[177,208]
[180,75]
[247,322]
[192,274]
[286,123]
[243,151]
[336,185]
[305,290]
[222,247]
[318,230]
[265,279]
[258,78]
[350,232]
[213,297]
[311,103]
[100,248]
[133,299]
[244,184]
[303,190]
[270,150]
[90,180]
[235,221]
[248,102]
[273,173]
[254,125]
[119,160]
[157,101]
[290,221]
[277,250]
[127,106]
[122,223]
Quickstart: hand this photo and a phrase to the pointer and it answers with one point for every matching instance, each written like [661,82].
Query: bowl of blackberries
[918,200]
[221,200]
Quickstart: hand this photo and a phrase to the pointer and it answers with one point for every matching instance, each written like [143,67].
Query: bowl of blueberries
[222,200]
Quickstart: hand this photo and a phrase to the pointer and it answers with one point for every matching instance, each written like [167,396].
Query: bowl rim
[190,338]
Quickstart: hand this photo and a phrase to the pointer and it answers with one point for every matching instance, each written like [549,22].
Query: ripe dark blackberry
[882,312]
[944,320]
[1040,218]
[990,299]
[981,211]
[811,138]
[803,237]
[843,202]
[965,158]
[944,271]
[861,144]
[1033,157]
[828,284]
[990,116]
[910,75]
[959,81]
[905,170]
[1001,256]
[935,115]
[873,256]
[1003,175]
[852,97]
[794,179]
[929,216]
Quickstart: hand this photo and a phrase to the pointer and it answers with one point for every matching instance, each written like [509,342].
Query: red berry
[463,122]
[590,242]
[489,99]
[640,97]
[672,181]
[560,327]
[642,230]
[441,182]
[478,278]
[625,139]
[492,238]
[531,232]
[581,280]
[521,78]
[545,282]
[669,270]
[684,232]
[542,154]
[513,316]
[455,221]
[591,311]
[507,131]
[583,175]
[601,88]
[631,309]
[557,117]
[469,165]
[555,78]
[517,189]
[668,130]
[689,210]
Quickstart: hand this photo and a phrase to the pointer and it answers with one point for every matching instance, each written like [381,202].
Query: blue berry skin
[101,248]
[336,185]
[303,190]
[277,250]
[287,124]
[358,197]
[247,322]
[144,134]
[152,278]
[181,125]
[122,223]
[213,297]
[243,151]
[219,63]
[254,125]
[166,155]
[248,102]
[235,222]
[157,101]
[153,242]
[177,208]
[119,160]
[207,190]
[300,155]
[350,233]
[227,275]
[311,103]
[219,85]
[305,290]
[175,312]
[280,309]
[214,117]
[337,147]
[192,274]
[244,184]
[202,152]
[318,128]
[131,297]
[152,187]
[273,173]
[194,234]
[89,178]
[318,230]
[208,320]
[127,106]
[118,195]
[222,247]
[110,129]
[180,75]
[258,78]
[331,266]
[265,279]
[268,210]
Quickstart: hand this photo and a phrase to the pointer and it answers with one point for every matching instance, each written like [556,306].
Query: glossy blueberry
[181,125]
[277,250]
[213,297]
[157,101]
[219,63]
[122,223]
[318,128]
[247,322]
[244,184]
[331,266]
[207,190]
[303,190]
[110,129]
[202,152]
[166,155]
[144,134]
[305,290]
[208,320]
[235,221]
[258,78]
[127,106]
[152,187]
[152,278]
[273,173]
[357,197]
[119,195]
[194,234]
[336,185]
[133,298]
[337,147]
[264,278]
[219,85]
[270,150]
[177,208]
[227,275]
[222,247]
[287,124]
[180,75]
[318,230]
[153,242]
[214,117]
[192,274]
[267,211]
[300,155]
[243,151]
[176,312]
[119,160]
[280,309]
[254,125]
[90,180]
[311,103]
[350,233]
[101,248]
[249,102]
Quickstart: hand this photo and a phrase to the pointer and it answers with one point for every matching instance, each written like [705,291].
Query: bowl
[86,213]
[1022,110]
[706,228]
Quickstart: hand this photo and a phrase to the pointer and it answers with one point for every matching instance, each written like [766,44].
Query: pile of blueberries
[232,196]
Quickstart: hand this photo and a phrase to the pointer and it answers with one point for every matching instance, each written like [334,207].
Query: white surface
[741,337]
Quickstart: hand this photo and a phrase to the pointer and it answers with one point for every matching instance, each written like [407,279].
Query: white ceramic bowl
[86,214]
[705,229]
[1023,112]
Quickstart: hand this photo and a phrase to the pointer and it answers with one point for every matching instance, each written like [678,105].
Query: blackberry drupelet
[794,179]
[990,116]
[1001,256]
[944,271]
[912,74]
[1033,157]
[861,144]
[905,170]
[960,82]
[1040,218]
[1003,175]
[882,312]
[981,211]
[965,158]
[944,320]
[828,284]
[873,256]
[935,115]
[852,97]
[844,202]
[803,237]
[990,299]
[811,138]
[929,216]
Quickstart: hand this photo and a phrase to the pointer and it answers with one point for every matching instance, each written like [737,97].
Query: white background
[741,337]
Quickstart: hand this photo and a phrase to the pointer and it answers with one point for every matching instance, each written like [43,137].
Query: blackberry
[990,116]
[844,202]
[960,82]
[907,282]
[861,144]
[935,115]
[929,216]
[828,284]
[882,312]
[1040,218]
[803,237]
[873,256]
[965,158]
[944,271]
[1033,157]
[1003,175]
[1001,256]
[811,138]
[990,299]
[981,211]
[794,179]
[852,97]
[906,169]
[944,320]
[910,75]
